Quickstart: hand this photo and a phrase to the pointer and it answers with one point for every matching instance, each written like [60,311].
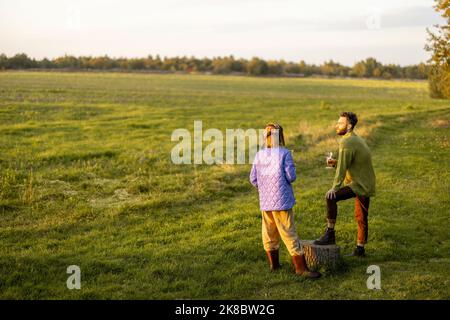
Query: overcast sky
[393,31]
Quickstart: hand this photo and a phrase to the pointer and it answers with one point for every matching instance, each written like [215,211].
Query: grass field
[86,179]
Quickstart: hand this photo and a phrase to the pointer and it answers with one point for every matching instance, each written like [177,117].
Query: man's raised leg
[329,235]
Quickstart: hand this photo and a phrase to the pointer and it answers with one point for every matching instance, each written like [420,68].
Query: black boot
[359,252]
[328,238]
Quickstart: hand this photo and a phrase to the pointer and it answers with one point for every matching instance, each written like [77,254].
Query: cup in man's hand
[331,163]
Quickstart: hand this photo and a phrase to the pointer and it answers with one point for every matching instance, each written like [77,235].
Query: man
[354,178]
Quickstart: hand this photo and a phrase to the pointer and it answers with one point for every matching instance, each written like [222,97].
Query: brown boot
[273,258]
[302,269]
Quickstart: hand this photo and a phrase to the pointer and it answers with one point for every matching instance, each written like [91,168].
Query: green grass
[86,179]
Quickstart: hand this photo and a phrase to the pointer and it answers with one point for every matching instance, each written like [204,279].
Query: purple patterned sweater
[272,173]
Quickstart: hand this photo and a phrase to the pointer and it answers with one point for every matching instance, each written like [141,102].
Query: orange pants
[361,211]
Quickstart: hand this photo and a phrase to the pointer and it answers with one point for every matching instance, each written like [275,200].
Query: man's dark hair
[351,117]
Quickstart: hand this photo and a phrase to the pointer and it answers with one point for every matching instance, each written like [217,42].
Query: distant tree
[292,68]
[239,65]
[136,64]
[154,63]
[328,68]
[45,63]
[415,71]
[359,70]
[399,72]
[439,45]
[257,67]
[222,65]
[275,67]
[423,70]
[4,62]
[391,71]
[67,62]
[371,65]
[170,64]
[303,68]
[344,71]
[122,63]
[386,75]
[103,63]
[331,68]
[206,65]
[84,62]
[21,61]
[193,64]
[377,72]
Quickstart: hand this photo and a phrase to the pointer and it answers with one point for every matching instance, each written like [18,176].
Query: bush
[439,82]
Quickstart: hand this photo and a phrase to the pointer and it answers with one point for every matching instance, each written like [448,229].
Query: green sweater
[354,166]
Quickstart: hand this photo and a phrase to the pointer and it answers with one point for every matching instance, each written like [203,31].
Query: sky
[392,31]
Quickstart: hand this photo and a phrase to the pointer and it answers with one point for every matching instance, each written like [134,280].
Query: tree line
[368,68]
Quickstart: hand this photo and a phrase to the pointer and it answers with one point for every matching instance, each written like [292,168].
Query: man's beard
[341,132]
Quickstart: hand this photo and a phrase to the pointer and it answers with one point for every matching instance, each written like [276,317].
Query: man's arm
[344,161]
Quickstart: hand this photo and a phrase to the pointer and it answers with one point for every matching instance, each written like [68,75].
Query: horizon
[392,33]
[214,57]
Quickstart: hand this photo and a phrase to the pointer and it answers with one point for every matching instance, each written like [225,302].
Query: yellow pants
[276,224]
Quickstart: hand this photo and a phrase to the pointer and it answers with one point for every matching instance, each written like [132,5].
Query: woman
[272,173]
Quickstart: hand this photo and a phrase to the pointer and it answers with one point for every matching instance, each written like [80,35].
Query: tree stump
[320,256]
